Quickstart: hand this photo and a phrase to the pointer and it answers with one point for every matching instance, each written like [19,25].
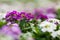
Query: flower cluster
[12,30]
[16,16]
[50,25]
[43,24]
[42,14]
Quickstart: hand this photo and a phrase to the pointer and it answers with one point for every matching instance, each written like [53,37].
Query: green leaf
[2,23]
[58,14]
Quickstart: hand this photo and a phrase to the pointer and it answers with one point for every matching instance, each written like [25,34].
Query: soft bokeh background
[26,5]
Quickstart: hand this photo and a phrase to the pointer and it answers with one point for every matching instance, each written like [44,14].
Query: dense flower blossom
[27,36]
[51,15]
[32,24]
[21,16]
[45,13]
[40,14]
[5,37]
[12,30]
[51,10]
[47,26]
[53,20]
[12,16]
[55,34]
[29,16]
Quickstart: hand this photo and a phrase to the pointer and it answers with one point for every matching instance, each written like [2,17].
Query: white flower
[54,34]
[2,15]
[6,38]
[58,32]
[39,20]
[27,36]
[56,21]
[47,26]
[32,26]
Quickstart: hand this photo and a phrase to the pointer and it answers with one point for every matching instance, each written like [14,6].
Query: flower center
[51,21]
[46,26]
[22,15]
[11,25]
[15,15]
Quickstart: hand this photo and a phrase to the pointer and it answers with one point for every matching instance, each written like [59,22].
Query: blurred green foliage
[2,23]
[58,14]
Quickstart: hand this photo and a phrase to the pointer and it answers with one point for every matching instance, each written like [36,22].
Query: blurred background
[26,5]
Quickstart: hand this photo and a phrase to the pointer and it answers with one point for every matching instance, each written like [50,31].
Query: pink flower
[50,15]
[12,30]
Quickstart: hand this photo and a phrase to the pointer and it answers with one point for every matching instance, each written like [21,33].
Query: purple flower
[25,15]
[12,16]
[50,10]
[40,13]
[41,16]
[45,13]
[12,30]
[21,15]
[51,15]
[29,16]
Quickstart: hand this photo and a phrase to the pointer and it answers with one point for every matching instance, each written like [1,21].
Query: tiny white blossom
[39,20]
[32,26]
[47,26]
[54,34]
[56,21]
[27,36]
[58,32]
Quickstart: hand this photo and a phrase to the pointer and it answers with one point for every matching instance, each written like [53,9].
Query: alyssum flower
[11,16]
[46,26]
[53,20]
[12,30]
[5,37]
[56,34]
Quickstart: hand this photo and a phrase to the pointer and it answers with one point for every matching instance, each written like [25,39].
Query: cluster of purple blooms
[45,13]
[14,30]
[39,14]
[16,16]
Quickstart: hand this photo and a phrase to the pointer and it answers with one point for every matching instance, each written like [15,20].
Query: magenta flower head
[50,15]
[24,15]
[50,10]
[12,30]
[11,16]
[21,15]
[45,13]
[29,16]
[41,16]
[40,13]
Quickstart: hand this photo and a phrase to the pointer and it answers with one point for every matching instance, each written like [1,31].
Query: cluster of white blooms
[50,25]
[55,34]
[47,26]
[55,21]
[27,36]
